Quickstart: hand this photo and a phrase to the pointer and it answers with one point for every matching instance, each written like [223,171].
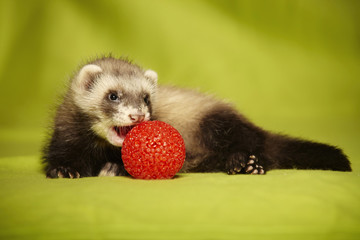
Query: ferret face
[115,102]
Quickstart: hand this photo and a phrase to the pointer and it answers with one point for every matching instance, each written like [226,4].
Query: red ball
[153,150]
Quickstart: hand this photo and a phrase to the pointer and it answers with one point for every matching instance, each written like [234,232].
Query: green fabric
[281,205]
[290,66]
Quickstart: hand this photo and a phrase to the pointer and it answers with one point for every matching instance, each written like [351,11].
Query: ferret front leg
[111,169]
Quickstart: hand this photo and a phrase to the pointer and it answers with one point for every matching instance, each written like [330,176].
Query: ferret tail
[284,152]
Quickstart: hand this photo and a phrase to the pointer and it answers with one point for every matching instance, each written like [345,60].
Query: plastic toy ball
[153,150]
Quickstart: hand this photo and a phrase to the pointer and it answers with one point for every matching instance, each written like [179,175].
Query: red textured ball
[153,150]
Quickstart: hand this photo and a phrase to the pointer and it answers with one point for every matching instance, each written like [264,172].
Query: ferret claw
[62,172]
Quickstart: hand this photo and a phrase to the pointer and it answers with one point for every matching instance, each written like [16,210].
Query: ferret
[108,96]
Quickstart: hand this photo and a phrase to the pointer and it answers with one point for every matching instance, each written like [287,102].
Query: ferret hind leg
[235,144]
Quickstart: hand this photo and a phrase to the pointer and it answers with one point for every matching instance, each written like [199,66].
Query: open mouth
[122,131]
[117,134]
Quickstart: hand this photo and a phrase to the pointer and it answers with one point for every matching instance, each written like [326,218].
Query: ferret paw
[62,172]
[110,170]
[237,164]
[253,166]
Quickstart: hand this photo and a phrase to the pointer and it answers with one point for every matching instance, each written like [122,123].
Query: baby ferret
[108,96]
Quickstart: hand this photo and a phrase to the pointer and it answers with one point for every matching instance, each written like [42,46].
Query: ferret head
[116,95]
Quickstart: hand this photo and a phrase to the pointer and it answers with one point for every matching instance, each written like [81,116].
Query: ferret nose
[137,118]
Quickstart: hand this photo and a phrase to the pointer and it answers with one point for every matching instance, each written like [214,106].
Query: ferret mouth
[122,131]
[117,134]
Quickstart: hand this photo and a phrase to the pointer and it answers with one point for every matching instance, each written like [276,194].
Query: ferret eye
[147,99]
[113,97]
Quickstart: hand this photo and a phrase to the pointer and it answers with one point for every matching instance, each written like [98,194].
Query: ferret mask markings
[120,106]
[123,112]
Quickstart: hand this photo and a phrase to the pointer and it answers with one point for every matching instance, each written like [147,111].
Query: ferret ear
[86,76]
[151,75]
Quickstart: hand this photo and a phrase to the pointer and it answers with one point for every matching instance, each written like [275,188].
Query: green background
[290,66]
